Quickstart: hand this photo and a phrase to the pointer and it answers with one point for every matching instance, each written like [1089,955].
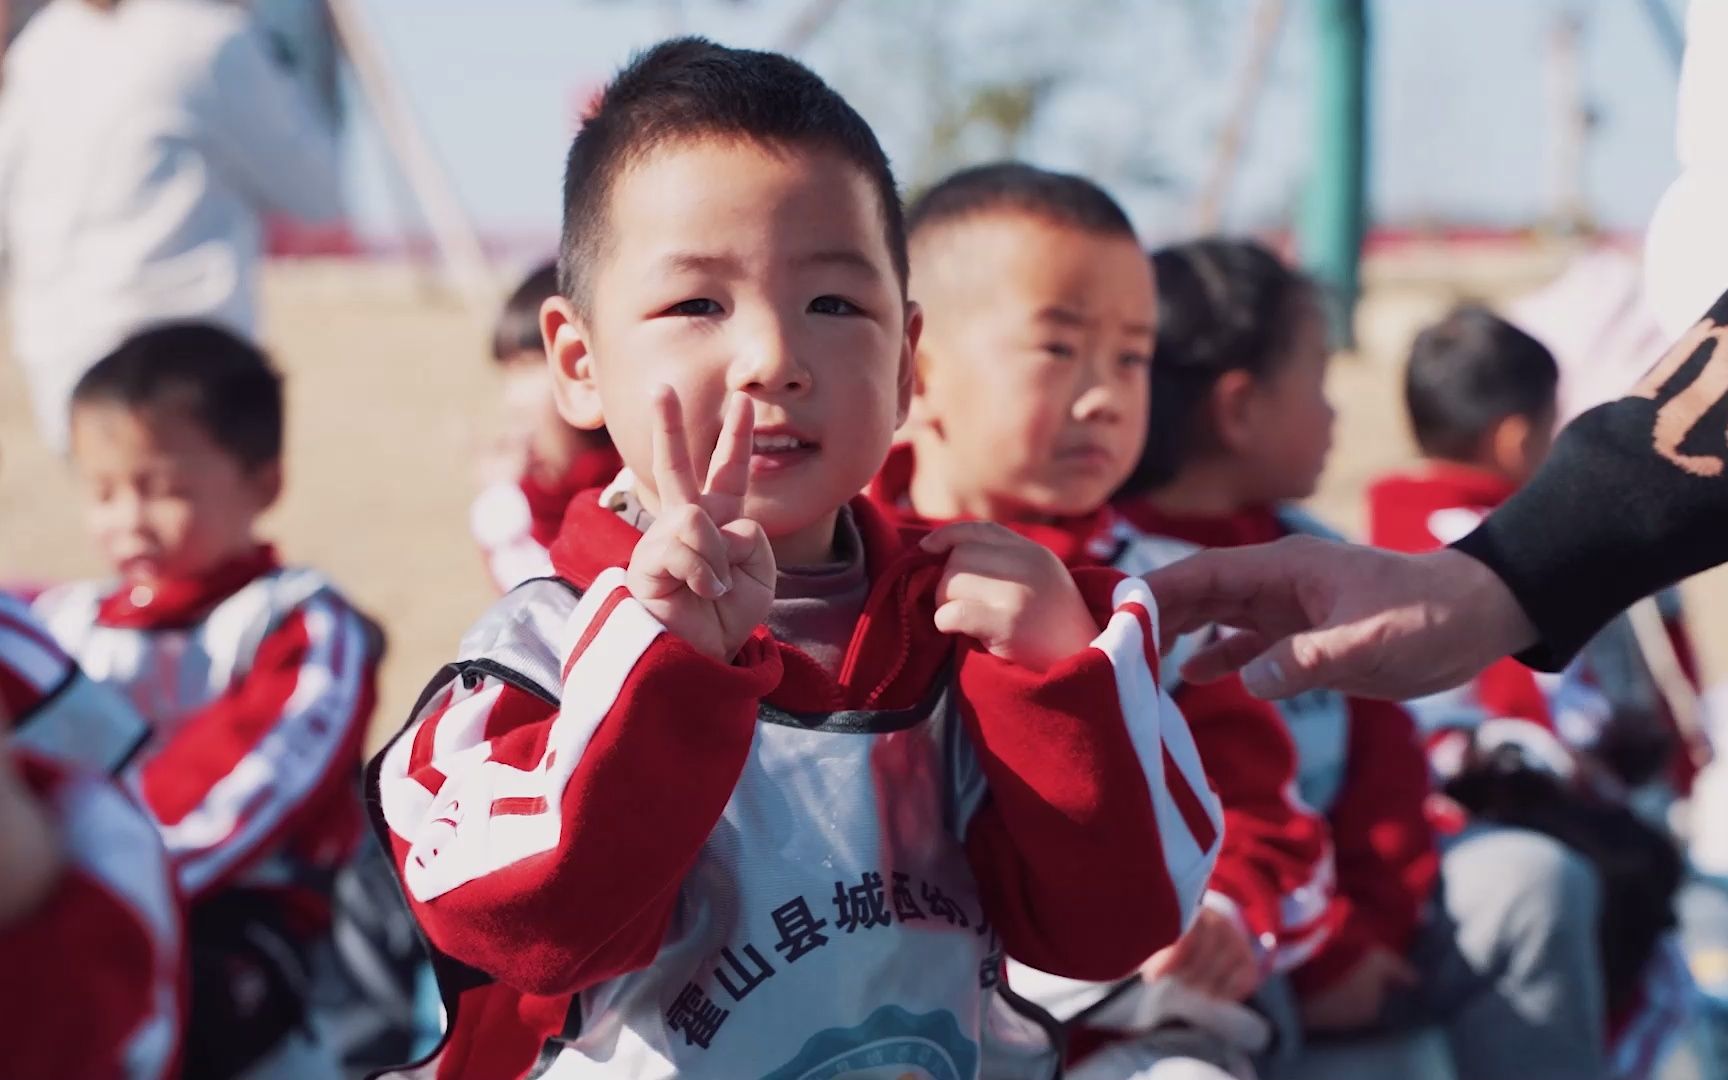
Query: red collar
[1401,505]
[1077,541]
[179,602]
[548,501]
[1254,525]
[896,651]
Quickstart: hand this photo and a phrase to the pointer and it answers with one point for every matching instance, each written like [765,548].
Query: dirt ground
[389,388]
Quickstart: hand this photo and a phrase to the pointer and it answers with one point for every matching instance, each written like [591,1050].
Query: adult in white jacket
[141,144]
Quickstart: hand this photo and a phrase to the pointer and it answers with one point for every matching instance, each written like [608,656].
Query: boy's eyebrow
[1068,317]
[847,258]
[697,262]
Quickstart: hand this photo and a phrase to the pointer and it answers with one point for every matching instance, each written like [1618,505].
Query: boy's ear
[908,385]
[1508,444]
[266,482]
[574,390]
[1232,408]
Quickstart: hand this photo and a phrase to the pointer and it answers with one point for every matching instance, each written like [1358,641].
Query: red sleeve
[95,979]
[274,753]
[1276,862]
[538,843]
[1508,690]
[1386,859]
[1100,830]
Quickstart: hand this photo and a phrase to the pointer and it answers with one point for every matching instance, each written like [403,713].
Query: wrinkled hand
[1316,613]
[1214,956]
[705,572]
[1011,594]
[1356,1001]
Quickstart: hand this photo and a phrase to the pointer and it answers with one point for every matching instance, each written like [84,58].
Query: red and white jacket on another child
[1274,872]
[1359,762]
[634,860]
[257,681]
[1437,503]
[94,982]
[515,521]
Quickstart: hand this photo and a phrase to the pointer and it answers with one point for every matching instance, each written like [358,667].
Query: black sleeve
[1634,498]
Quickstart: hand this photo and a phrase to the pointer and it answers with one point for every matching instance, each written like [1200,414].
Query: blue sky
[1460,120]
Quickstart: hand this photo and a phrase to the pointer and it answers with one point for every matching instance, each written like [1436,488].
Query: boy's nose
[770,366]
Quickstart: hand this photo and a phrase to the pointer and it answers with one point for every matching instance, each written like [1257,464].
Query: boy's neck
[811,546]
[1201,490]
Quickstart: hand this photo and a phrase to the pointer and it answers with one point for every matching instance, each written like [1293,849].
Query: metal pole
[1334,218]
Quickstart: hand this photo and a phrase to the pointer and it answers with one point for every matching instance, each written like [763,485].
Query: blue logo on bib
[892,1044]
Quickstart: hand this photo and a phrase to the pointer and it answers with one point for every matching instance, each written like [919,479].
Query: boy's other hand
[1356,1000]
[1214,956]
[705,572]
[1011,594]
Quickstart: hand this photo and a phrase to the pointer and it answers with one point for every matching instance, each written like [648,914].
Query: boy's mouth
[780,448]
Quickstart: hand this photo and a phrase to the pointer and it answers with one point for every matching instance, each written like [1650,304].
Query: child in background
[90,921]
[1565,753]
[756,787]
[1482,401]
[1031,411]
[541,462]
[1489,932]
[256,678]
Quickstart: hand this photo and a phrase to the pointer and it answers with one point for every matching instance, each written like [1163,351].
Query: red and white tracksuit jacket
[1436,503]
[94,982]
[1274,872]
[257,682]
[1360,763]
[514,522]
[633,860]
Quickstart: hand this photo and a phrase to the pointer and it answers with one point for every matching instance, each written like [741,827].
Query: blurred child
[1491,935]
[256,678]
[1564,754]
[1481,396]
[1031,403]
[755,786]
[90,921]
[541,461]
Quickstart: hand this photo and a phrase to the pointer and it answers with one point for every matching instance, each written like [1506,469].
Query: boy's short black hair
[1060,198]
[235,395]
[518,327]
[690,88]
[1468,372]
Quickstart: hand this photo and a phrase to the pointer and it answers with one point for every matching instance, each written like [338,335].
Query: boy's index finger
[674,476]
[729,468]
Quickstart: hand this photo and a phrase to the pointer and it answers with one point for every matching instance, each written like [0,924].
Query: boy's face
[162,499]
[1032,394]
[734,267]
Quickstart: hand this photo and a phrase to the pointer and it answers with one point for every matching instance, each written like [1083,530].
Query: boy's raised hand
[1013,595]
[705,572]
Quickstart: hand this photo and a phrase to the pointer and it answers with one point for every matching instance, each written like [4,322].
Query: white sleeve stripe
[1307,902]
[292,759]
[458,837]
[1155,725]
[1293,953]
[403,799]
[112,840]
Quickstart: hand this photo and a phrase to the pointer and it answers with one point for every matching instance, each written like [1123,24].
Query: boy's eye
[834,305]
[1060,350]
[699,306]
[1134,360]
